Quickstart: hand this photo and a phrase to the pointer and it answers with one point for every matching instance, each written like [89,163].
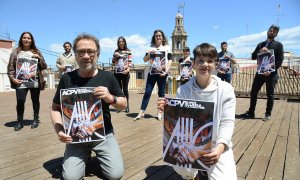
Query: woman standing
[26,48]
[122,60]
[159,42]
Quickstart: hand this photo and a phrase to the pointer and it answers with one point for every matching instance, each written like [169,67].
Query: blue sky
[243,24]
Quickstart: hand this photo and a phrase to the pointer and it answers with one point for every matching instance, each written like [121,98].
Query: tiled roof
[287,87]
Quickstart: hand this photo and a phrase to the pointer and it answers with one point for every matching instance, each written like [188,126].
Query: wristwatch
[115,100]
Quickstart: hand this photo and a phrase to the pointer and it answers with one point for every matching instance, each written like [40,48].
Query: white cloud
[216,27]
[57,48]
[136,43]
[243,46]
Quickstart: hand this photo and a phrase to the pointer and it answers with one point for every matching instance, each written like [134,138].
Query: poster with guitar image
[82,114]
[26,69]
[158,62]
[187,132]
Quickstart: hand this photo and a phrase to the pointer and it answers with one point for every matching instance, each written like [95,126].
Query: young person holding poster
[185,66]
[159,68]
[207,87]
[106,89]
[26,50]
[122,59]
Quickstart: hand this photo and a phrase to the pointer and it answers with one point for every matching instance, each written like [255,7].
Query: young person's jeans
[151,80]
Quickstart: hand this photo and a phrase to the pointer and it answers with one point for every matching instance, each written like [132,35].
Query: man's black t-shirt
[103,78]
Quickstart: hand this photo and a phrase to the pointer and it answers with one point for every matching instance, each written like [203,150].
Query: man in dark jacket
[270,78]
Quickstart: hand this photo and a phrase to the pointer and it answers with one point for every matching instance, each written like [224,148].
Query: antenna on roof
[181,7]
[278,14]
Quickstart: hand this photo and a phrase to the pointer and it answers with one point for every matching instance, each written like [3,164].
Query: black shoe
[248,115]
[127,110]
[19,126]
[36,121]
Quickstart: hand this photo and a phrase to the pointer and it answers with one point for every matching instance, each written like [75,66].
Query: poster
[187,132]
[26,69]
[82,114]
[186,69]
[121,63]
[266,62]
[158,62]
[69,68]
[223,64]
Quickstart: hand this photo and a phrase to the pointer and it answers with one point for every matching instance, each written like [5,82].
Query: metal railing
[287,86]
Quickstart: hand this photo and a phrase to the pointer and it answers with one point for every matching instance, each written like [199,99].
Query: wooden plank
[160,165]
[292,161]
[246,141]
[276,166]
[261,162]
[251,152]
[37,153]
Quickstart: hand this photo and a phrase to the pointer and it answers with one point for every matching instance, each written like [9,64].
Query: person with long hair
[122,59]
[26,48]
[159,43]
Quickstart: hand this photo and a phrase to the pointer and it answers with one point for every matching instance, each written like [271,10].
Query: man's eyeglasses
[82,52]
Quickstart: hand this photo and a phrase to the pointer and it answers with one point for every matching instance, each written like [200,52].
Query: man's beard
[88,67]
[271,36]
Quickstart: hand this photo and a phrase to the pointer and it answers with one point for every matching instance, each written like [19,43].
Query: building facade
[179,38]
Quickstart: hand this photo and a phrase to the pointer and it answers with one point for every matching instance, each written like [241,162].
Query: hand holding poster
[223,64]
[82,114]
[185,69]
[266,62]
[158,62]
[26,69]
[187,132]
[68,68]
[121,62]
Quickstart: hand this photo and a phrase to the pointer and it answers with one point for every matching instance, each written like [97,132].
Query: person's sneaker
[247,115]
[267,118]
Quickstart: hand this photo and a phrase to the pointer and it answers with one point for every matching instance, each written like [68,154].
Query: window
[140,75]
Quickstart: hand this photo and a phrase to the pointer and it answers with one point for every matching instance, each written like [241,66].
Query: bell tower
[179,38]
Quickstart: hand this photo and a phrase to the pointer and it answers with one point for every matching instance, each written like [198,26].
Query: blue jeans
[225,77]
[151,80]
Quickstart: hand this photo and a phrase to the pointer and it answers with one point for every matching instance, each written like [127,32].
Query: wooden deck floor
[263,150]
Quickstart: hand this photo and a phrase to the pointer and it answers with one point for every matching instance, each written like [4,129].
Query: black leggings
[123,80]
[21,98]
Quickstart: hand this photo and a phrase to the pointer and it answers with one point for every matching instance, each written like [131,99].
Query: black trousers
[21,98]
[258,82]
[123,80]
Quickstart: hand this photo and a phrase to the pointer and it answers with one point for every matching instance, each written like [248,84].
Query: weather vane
[181,6]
